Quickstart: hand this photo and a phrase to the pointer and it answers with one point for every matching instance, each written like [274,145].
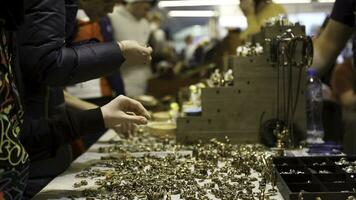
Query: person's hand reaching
[134,53]
[123,113]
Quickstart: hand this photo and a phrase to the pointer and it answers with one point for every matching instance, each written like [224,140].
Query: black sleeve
[343,12]
[44,55]
[39,135]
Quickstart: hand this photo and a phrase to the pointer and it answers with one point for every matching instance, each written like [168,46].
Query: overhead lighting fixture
[291,1]
[191,3]
[326,1]
[192,13]
[233,21]
[187,3]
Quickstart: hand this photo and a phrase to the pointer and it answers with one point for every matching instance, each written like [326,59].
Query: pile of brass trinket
[217,170]
[143,143]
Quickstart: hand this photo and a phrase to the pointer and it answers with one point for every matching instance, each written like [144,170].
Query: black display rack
[330,178]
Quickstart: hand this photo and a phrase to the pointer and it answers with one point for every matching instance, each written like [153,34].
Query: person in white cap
[129,22]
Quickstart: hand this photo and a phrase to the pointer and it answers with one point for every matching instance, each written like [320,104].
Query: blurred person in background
[333,39]
[327,47]
[227,47]
[157,39]
[256,13]
[187,53]
[343,82]
[97,92]
[333,115]
[130,22]
[93,23]
[164,58]
[114,80]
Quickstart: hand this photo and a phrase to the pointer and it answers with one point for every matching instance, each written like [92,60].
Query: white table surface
[62,186]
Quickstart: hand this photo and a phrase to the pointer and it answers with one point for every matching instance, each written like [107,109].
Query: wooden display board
[238,111]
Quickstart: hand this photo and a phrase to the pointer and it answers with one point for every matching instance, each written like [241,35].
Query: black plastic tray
[313,177]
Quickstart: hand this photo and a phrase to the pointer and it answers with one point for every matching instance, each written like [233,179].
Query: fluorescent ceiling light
[192,13]
[291,1]
[189,3]
[186,3]
[326,1]
[233,21]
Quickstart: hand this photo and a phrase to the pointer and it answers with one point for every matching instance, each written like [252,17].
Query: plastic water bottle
[314,108]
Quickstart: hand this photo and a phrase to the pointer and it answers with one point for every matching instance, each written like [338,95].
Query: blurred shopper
[157,40]
[97,91]
[129,23]
[114,80]
[332,110]
[93,23]
[50,62]
[187,53]
[344,89]
[333,39]
[327,48]
[227,47]
[257,12]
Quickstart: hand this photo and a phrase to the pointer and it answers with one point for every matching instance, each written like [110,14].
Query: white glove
[117,115]
[134,53]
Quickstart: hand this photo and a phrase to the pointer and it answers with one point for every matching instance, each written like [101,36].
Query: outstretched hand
[123,113]
[134,53]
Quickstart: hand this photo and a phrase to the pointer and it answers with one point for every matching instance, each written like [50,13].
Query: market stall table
[63,187]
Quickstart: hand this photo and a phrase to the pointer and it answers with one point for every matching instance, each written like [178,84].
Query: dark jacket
[45,56]
[48,63]
[38,134]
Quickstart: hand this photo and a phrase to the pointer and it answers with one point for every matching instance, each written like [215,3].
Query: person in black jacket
[14,162]
[49,62]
